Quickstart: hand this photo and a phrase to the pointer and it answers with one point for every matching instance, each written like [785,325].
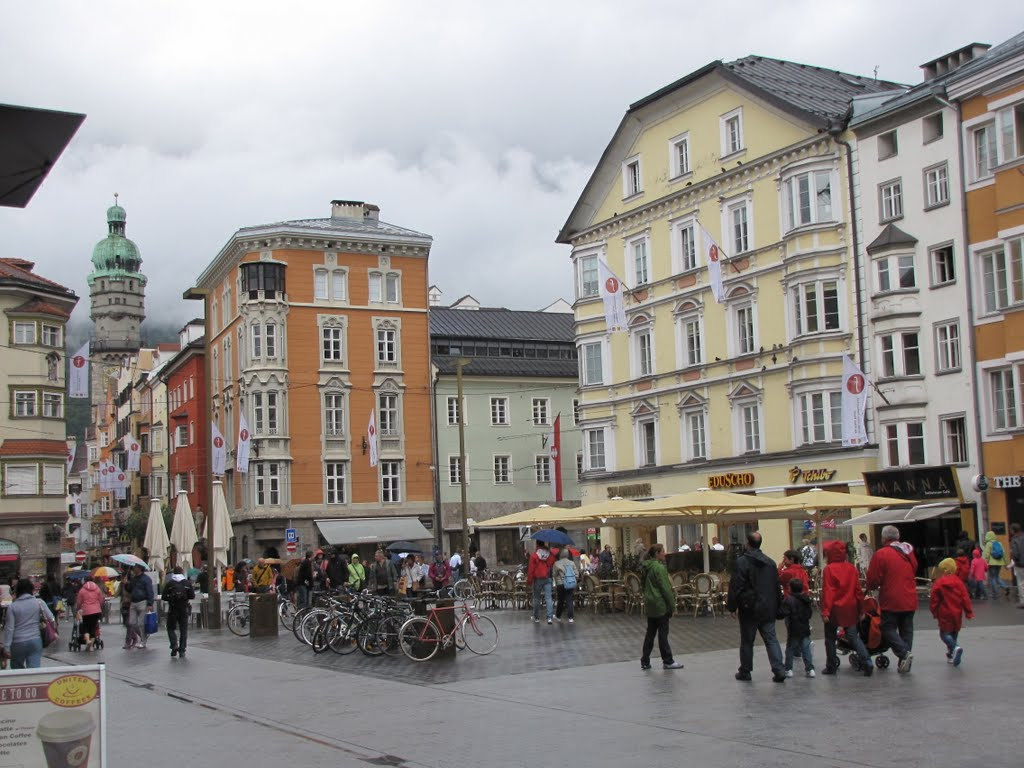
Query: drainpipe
[834,132]
[436,479]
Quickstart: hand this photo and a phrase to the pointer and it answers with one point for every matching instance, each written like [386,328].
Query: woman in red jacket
[949,602]
[89,606]
[842,603]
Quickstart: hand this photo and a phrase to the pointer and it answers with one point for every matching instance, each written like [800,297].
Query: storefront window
[805,529]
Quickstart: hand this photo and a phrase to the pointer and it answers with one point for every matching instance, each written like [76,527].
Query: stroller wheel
[882,662]
[855,661]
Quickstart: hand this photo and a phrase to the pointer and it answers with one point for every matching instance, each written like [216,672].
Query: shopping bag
[151,623]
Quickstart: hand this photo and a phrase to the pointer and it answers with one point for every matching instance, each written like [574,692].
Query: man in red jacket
[892,572]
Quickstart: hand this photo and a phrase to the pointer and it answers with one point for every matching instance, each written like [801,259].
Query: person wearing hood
[89,607]
[755,592]
[177,593]
[790,569]
[892,571]
[659,604]
[976,575]
[995,558]
[842,603]
[356,574]
[538,575]
[949,603]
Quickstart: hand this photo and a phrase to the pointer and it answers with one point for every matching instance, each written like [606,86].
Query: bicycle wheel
[305,626]
[463,589]
[322,635]
[367,639]
[238,620]
[286,610]
[343,636]
[479,633]
[419,639]
[388,635]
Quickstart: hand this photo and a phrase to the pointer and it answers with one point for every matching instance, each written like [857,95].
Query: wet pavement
[551,694]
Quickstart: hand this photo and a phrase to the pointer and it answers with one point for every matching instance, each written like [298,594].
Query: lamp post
[461,363]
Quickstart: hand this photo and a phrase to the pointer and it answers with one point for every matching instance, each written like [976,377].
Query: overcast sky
[475,122]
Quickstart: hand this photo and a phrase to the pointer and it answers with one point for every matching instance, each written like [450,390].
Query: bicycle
[421,636]
[238,615]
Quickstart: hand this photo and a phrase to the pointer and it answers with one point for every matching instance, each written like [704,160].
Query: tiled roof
[890,237]
[37,306]
[341,227]
[81,462]
[34,448]
[501,324]
[19,270]
[510,367]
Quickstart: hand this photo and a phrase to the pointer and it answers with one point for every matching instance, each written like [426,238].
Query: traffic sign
[291,534]
[80,556]
[292,546]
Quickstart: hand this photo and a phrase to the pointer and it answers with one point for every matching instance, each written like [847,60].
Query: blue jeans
[852,635]
[27,654]
[749,629]
[995,583]
[799,646]
[302,594]
[544,585]
[898,631]
[949,638]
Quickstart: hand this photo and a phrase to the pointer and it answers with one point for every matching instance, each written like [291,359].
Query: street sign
[292,547]
[291,535]
[80,556]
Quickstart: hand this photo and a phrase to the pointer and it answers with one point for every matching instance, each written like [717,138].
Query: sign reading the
[1006,481]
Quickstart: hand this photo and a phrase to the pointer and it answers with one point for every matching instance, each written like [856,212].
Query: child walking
[949,604]
[798,610]
[977,576]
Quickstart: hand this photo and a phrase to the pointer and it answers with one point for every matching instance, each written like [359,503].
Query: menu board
[54,717]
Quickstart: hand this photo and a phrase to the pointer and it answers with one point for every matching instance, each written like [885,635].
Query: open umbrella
[156,541]
[404,546]
[105,572]
[76,575]
[129,559]
[551,536]
[183,531]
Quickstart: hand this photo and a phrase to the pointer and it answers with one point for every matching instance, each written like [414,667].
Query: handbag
[151,623]
[47,629]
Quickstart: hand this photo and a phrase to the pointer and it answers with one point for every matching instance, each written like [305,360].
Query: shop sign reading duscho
[731,480]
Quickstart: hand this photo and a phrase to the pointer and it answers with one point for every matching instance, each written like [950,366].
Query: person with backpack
[538,576]
[892,571]
[995,558]
[178,592]
[566,580]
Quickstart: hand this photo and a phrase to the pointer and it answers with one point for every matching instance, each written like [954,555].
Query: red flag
[556,457]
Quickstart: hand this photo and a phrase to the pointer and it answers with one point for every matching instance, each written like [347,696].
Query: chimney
[951,62]
[354,209]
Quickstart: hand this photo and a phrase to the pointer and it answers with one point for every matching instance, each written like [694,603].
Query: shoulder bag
[47,629]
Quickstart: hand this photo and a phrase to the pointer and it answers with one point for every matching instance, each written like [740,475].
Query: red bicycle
[421,636]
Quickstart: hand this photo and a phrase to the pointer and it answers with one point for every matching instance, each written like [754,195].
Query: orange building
[314,325]
[990,93]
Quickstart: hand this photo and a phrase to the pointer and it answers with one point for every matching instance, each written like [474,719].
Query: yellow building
[743,394]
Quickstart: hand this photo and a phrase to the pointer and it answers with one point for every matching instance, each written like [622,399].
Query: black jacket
[754,589]
[964,546]
[305,574]
[337,571]
[798,611]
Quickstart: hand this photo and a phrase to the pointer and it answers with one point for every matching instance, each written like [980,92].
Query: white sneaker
[789,673]
[549,621]
[572,621]
[536,621]
[904,666]
[810,673]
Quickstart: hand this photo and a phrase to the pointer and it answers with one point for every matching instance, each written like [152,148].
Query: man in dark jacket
[1017,558]
[964,545]
[383,576]
[177,593]
[304,579]
[754,591]
[892,572]
[337,571]
[143,597]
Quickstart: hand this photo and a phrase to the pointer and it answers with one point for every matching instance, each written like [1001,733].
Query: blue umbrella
[77,574]
[551,536]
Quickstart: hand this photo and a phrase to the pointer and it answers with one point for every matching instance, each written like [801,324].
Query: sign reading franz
[821,475]
[914,484]
[731,480]
[629,491]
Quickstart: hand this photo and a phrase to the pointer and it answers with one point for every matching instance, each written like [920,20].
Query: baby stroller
[76,642]
[870,630]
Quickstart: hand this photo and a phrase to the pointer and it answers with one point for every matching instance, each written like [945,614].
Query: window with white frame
[376,287]
[692,339]
[499,412]
[816,307]
[334,474]
[24,333]
[679,155]
[895,273]
[731,125]
[541,407]
[943,265]
[575,413]
[392,288]
[643,352]
[339,285]
[1002,275]
[695,441]
[595,449]
[502,469]
[647,442]
[256,341]
[53,480]
[51,335]
[748,413]
[821,417]
[454,411]
[264,406]
[455,471]
[331,344]
[738,215]
[936,186]
[592,367]
[984,152]
[21,480]
[684,245]
[387,346]
[808,198]
[890,200]
[587,276]
[267,485]
[320,277]
[387,411]
[637,257]
[334,414]
[901,354]
[954,439]
[947,346]
[542,469]
[25,404]
[181,436]
[632,181]
[579,464]
[1003,395]
[53,405]
[270,340]
[904,443]
[1010,124]
[743,315]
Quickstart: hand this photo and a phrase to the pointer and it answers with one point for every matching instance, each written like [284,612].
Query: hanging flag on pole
[612,296]
[371,437]
[715,256]
[220,450]
[243,445]
[556,457]
[78,378]
[70,458]
[134,451]
[854,402]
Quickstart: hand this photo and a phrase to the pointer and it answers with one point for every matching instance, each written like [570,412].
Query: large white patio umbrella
[183,531]
[156,541]
[222,531]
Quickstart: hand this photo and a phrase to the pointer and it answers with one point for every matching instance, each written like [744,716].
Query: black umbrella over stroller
[404,546]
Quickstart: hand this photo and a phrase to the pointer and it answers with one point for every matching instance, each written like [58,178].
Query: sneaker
[949,657]
[142,646]
[958,656]
[536,620]
[644,667]
[778,678]
[127,646]
[673,665]
[572,621]
[549,621]
[174,652]
[743,676]
[810,673]
[789,673]
[904,665]
[559,618]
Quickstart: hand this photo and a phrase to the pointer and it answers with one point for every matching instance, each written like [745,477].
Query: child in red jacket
[950,603]
[977,576]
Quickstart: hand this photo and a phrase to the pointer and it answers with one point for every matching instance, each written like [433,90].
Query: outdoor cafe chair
[705,594]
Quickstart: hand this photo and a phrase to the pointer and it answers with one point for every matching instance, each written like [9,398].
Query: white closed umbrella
[222,531]
[183,531]
[156,541]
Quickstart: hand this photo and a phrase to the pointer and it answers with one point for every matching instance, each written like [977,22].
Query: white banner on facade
[78,373]
[134,452]
[612,296]
[855,401]
[715,256]
[220,450]
[371,437]
[242,445]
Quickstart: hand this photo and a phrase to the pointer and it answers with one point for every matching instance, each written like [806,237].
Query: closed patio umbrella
[222,532]
[183,531]
[156,541]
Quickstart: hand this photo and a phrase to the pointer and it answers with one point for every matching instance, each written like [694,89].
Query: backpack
[176,593]
[997,550]
[569,582]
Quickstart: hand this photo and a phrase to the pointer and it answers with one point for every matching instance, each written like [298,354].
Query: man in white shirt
[683,546]
[455,563]
[716,544]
